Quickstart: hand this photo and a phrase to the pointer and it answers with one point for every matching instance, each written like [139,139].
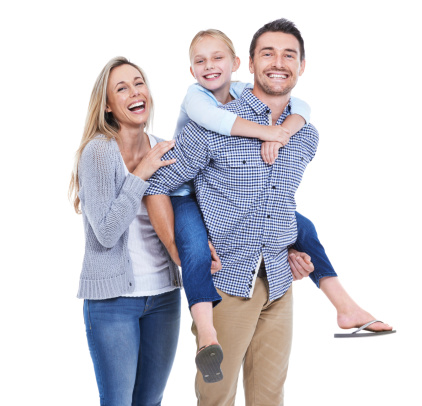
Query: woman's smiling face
[128,97]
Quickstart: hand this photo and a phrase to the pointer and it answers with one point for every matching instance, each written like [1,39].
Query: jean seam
[89,314]
[91,333]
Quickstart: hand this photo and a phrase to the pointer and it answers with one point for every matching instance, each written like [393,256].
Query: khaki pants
[258,334]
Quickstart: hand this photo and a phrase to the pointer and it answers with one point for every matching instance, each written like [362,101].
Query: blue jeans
[192,243]
[307,241]
[132,341]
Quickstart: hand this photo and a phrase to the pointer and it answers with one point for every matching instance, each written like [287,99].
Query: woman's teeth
[136,105]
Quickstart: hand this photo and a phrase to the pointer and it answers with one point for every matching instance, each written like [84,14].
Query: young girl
[213,59]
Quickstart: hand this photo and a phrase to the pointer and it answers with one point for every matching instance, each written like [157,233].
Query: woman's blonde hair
[98,121]
[214,34]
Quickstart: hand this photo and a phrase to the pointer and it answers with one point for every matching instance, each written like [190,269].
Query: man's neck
[277,104]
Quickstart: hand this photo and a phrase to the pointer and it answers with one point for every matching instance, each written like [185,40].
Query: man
[248,208]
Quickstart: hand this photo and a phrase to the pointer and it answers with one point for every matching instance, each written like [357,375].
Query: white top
[148,254]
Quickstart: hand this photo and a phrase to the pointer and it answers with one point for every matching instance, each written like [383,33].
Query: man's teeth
[274,75]
[212,76]
[138,104]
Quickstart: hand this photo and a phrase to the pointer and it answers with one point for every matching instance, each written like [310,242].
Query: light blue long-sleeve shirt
[201,106]
[248,206]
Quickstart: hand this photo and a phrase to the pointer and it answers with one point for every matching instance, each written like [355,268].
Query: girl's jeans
[192,244]
[194,253]
[307,241]
[132,341]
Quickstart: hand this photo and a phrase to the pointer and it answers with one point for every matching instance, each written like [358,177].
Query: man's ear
[302,67]
[251,70]
[191,71]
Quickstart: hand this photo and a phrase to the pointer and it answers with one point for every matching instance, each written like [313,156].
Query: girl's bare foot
[358,317]
[207,337]
[202,317]
[349,314]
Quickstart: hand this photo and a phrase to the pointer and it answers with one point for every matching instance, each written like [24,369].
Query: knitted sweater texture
[109,203]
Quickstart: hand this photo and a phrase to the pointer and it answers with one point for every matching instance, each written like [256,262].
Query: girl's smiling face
[212,65]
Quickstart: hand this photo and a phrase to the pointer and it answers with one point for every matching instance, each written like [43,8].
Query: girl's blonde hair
[98,121]
[214,34]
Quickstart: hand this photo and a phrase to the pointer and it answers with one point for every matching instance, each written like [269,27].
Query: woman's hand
[151,162]
[216,263]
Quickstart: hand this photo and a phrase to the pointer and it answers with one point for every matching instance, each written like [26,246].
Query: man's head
[277,58]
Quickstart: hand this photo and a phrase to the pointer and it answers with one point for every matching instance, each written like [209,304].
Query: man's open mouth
[278,75]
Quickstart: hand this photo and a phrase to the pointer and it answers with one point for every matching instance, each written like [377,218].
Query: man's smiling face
[276,64]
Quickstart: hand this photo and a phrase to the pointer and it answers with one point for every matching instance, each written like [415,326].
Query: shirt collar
[258,106]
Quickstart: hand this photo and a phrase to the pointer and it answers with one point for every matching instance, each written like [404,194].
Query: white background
[362,190]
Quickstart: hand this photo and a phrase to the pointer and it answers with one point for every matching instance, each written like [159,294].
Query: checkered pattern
[248,206]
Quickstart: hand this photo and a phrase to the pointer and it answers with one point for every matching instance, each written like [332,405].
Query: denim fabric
[132,341]
[247,205]
[307,241]
[192,244]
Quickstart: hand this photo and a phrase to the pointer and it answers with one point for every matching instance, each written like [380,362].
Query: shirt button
[130,284]
[301,158]
[273,187]
[253,272]
[268,216]
[244,161]
[250,286]
[263,245]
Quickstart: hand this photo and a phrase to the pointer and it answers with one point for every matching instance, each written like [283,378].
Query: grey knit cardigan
[109,203]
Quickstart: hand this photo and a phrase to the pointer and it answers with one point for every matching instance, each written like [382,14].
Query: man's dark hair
[280,25]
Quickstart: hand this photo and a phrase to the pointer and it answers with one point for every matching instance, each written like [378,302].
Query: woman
[129,283]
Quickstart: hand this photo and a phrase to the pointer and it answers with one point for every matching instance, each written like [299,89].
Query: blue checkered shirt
[248,206]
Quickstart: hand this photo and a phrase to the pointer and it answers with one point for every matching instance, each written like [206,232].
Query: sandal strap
[366,325]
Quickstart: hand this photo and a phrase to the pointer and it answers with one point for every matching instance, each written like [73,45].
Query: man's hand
[300,264]
[216,263]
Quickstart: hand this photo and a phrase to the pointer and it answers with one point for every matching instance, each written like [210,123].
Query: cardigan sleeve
[108,210]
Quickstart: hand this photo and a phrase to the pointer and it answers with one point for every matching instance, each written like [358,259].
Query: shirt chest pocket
[294,163]
[245,174]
